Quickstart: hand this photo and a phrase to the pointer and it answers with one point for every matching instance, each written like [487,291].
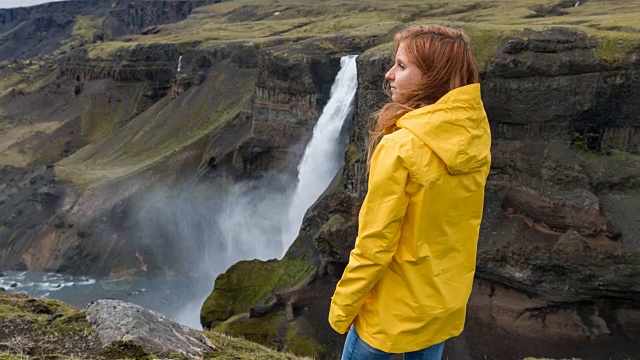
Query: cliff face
[121,124]
[558,261]
[289,96]
[49,28]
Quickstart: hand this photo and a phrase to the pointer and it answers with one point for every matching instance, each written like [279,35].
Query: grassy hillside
[262,21]
[151,136]
[163,129]
[116,151]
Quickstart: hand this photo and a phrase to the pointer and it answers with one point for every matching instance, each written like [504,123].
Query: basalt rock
[236,106]
[119,321]
[289,94]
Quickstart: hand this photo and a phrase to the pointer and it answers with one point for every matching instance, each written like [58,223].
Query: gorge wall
[90,134]
[558,268]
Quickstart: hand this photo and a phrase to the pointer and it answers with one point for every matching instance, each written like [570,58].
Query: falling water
[323,156]
[210,226]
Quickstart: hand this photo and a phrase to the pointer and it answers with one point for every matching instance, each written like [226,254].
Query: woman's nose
[389,75]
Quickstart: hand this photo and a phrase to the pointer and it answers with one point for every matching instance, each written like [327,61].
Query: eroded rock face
[44,27]
[553,87]
[557,234]
[289,96]
[115,320]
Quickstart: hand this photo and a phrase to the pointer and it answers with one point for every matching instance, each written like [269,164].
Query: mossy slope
[252,283]
[44,328]
[163,129]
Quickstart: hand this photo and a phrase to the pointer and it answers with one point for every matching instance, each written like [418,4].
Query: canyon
[95,118]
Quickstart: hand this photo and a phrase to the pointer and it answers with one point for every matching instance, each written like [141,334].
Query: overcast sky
[18,3]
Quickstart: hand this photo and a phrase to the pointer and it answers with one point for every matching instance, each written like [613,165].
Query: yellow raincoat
[409,277]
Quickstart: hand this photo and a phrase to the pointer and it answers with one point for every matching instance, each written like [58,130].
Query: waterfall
[323,156]
[209,226]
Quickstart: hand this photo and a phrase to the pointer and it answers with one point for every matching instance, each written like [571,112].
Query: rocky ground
[48,329]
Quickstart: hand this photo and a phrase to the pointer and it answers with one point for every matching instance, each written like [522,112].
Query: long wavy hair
[443,56]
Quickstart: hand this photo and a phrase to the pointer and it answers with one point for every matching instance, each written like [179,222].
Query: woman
[409,277]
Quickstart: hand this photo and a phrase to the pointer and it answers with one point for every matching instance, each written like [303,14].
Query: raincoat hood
[455,128]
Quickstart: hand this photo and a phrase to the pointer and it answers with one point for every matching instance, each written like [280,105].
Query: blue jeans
[356,349]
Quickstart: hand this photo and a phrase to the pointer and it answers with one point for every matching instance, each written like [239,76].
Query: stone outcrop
[119,321]
[289,95]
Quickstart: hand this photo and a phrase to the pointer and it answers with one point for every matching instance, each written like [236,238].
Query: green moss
[23,306]
[5,356]
[100,121]
[485,41]
[85,27]
[264,330]
[10,81]
[7,310]
[269,330]
[178,356]
[248,283]
[334,223]
[73,323]
[353,155]
[614,47]
[301,342]
[49,154]
[107,50]
[184,46]
[553,9]
[166,127]
[329,45]
[126,350]
[228,348]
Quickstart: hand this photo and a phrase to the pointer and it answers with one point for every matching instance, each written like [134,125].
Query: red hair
[443,56]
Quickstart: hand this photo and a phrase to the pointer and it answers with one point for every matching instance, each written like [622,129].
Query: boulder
[120,321]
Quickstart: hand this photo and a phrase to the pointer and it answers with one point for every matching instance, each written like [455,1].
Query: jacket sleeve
[379,226]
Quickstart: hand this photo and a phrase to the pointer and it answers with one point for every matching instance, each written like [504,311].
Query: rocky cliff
[558,269]
[59,27]
[91,130]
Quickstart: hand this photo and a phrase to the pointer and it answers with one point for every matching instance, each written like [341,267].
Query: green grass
[261,21]
[167,126]
[86,27]
[234,348]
